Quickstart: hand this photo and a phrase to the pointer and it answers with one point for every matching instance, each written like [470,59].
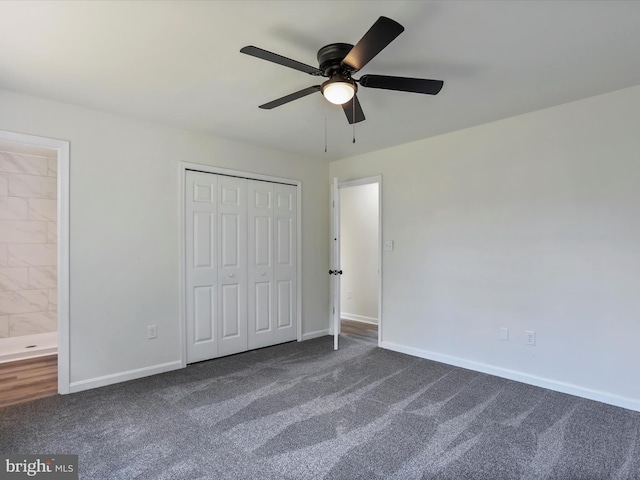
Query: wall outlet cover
[152,331]
[530,337]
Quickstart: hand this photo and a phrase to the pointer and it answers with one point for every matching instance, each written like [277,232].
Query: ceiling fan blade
[279,59]
[291,97]
[402,84]
[348,110]
[381,34]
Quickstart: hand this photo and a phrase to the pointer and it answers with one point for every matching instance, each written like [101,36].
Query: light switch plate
[388,246]
[504,334]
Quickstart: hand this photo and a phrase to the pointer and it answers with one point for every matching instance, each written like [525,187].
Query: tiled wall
[28,273]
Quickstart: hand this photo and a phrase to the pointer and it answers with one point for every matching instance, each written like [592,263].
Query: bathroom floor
[25,380]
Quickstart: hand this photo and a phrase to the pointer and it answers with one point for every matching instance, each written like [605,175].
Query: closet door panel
[262,241]
[262,307]
[203,313]
[284,303]
[285,271]
[261,254]
[232,265]
[201,266]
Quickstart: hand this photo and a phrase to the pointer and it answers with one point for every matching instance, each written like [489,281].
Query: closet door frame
[184,167]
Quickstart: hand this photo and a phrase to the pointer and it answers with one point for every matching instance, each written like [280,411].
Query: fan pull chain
[325,127]
[353,109]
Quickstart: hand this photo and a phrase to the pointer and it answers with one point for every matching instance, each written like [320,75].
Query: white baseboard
[319,333]
[123,376]
[571,389]
[358,318]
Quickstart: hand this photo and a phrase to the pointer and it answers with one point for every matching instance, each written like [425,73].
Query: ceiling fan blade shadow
[290,98]
[348,110]
[402,84]
[381,34]
[279,59]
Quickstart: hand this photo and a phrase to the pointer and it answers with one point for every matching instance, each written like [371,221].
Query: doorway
[357,289]
[34,254]
[359,232]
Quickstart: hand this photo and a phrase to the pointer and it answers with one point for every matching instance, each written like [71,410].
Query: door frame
[377,179]
[62,179]
[184,166]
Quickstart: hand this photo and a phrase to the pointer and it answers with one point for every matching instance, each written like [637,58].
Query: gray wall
[528,223]
[124,238]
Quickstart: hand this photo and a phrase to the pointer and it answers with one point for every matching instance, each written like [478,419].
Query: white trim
[299,262]
[360,181]
[182,326]
[358,318]
[334,280]
[62,147]
[238,173]
[380,336]
[316,334]
[184,166]
[377,179]
[123,376]
[555,385]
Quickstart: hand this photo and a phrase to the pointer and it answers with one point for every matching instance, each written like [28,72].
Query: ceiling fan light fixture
[339,90]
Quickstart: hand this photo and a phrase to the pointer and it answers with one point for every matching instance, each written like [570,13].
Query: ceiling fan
[339,61]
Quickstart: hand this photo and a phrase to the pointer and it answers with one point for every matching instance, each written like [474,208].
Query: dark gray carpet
[303,411]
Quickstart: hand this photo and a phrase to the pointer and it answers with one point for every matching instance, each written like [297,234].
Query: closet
[240,265]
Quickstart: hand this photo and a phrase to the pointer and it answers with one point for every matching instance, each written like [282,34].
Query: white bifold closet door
[240,264]
[272,268]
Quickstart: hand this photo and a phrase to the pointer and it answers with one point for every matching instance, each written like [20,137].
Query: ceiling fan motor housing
[330,59]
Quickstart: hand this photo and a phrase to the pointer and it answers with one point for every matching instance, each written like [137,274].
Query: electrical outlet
[152,331]
[349,295]
[530,337]
[504,334]
[388,246]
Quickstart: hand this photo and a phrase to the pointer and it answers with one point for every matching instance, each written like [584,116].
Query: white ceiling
[178,63]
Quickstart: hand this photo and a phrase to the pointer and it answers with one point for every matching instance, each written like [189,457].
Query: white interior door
[201,265]
[232,265]
[334,271]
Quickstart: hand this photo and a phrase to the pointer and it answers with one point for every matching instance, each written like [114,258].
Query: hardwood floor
[360,330]
[25,380]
